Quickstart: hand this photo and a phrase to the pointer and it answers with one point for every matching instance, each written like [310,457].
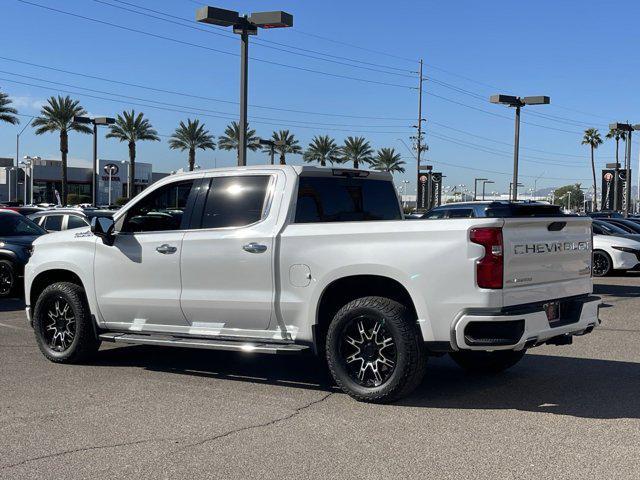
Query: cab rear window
[345,199]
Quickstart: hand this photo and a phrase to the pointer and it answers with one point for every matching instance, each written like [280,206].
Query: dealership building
[44,180]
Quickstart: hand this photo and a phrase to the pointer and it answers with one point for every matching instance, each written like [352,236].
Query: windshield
[16,225]
[610,229]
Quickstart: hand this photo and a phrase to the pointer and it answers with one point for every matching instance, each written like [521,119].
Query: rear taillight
[489,269]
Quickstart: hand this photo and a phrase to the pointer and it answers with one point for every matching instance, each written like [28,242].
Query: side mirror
[103,227]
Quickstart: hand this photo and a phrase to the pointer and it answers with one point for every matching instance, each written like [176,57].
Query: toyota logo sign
[111,169]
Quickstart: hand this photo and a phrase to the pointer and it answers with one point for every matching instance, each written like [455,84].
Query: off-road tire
[85,342]
[399,325]
[487,362]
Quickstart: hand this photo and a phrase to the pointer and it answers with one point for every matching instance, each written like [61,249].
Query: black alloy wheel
[368,351]
[7,278]
[60,324]
[601,264]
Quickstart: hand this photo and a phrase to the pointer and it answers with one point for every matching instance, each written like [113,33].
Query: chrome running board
[211,344]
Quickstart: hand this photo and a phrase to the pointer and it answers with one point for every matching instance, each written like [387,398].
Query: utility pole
[419,126]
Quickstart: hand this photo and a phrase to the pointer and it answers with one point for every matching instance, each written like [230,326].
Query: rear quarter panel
[432,259]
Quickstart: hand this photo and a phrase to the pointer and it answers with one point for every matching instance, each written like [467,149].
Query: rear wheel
[63,325]
[487,362]
[601,263]
[7,278]
[374,350]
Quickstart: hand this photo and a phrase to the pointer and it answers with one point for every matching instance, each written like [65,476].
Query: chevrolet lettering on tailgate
[553,247]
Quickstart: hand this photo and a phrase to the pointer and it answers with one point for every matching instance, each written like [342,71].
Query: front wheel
[63,325]
[601,263]
[487,362]
[374,350]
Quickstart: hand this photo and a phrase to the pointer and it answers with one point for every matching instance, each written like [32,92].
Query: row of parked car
[616,240]
[20,226]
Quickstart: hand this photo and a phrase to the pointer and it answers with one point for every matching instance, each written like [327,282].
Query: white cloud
[29,102]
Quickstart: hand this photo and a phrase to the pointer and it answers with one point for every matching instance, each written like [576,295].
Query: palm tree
[322,149]
[289,144]
[57,116]
[7,113]
[387,160]
[130,128]
[617,135]
[357,150]
[592,138]
[191,137]
[231,139]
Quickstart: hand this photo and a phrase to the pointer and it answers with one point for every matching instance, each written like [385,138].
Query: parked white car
[614,249]
[288,259]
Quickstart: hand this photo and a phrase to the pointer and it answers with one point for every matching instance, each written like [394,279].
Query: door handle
[254,247]
[164,248]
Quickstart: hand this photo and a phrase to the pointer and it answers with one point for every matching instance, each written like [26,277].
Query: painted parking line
[14,327]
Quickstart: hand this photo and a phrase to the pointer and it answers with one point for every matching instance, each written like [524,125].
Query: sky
[344,69]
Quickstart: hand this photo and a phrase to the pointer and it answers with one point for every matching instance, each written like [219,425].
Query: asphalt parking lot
[141,412]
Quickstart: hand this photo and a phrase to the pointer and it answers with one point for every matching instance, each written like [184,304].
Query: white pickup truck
[287,259]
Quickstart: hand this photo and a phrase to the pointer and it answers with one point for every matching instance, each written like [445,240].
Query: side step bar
[211,344]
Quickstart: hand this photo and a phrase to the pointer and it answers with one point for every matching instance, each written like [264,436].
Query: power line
[196,45]
[199,97]
[191,112]
[146,87]
[230,114]
[257,41]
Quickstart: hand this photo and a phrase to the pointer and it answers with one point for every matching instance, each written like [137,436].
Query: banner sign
[423,200]
[436,190]
[608,189]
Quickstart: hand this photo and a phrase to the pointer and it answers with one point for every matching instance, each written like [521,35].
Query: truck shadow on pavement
[579,387]
[620,291]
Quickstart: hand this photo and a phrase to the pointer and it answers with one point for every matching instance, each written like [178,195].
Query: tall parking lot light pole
[244,26]
[95,122]
[18,155]
[518,103]
[484,182]
[475,187]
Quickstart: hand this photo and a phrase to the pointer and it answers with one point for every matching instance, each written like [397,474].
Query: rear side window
[53,223]
[75,222]
[435,214]
[235,201]
[461,213]
[338,199]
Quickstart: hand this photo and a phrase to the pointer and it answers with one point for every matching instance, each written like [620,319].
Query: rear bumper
[522,327]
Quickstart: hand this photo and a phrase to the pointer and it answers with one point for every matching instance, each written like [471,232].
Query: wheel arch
[48,277]
[342,290]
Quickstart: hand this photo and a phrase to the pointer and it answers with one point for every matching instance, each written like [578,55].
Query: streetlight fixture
[95,122]
[244,26]
[484,182]
[475,187]
[29,163]
[18,155]
[272,144]
[518,103]
[511,189]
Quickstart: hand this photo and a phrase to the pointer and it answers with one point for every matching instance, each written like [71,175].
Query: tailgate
[546,258]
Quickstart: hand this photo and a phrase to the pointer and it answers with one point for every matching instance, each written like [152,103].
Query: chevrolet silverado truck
[288,259]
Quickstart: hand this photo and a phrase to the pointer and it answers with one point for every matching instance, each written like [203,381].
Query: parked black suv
[17,234]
